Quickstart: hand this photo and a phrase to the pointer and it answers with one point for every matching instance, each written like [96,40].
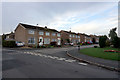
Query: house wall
[64,37]
[20,34]
[82,38]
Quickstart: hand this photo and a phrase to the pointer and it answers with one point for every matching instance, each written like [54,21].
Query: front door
[40,41]
[59,41]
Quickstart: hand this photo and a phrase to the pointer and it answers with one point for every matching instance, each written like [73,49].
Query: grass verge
[99,52]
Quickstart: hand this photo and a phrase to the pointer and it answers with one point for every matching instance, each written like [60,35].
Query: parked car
[71,44]
[20,44]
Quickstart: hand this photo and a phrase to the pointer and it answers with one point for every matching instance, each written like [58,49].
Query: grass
[99,52]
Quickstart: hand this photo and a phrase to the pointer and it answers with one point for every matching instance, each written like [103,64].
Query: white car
[71,44]
[19,43]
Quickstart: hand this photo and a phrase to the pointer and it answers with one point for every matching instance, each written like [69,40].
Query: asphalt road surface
[48,63]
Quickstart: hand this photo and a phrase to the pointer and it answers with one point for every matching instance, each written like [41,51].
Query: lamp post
[36,36]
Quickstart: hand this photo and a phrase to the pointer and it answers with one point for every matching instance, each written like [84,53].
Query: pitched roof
[69,32]
[37,27]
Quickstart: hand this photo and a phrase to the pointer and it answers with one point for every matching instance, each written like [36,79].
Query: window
[73,35]
[58,34]
[76,36]
[53,34]
[31,31]
[53,40]
[70,35]
[41,33]
[47,33]
[46,40]
[31,40]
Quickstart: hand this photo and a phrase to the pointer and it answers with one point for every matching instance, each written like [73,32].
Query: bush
[93,40]
[95,46]
[116,42]
[102,41]
[107,43]
[10,44]
[53,43]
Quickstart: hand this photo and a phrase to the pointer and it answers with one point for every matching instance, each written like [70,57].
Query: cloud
[80,17]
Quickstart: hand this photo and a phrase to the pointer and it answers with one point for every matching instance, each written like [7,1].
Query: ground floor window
[31,41]
[46,40]
[53,40]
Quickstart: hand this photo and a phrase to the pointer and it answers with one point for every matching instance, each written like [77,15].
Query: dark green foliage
[108,43]
[93,40]
[68,40]
[102,41]
[10,44]
[3,37]
[116,42]
[53,43]
[95,46]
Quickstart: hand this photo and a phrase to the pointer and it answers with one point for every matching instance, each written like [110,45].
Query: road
[48,63]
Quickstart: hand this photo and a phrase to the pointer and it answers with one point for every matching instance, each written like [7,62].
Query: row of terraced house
[35,35]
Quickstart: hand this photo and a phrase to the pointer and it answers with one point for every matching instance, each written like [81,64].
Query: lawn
[99,52]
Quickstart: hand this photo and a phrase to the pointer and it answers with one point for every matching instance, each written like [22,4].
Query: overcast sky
[84,17]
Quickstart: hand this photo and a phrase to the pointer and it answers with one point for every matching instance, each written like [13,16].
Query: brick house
[10,36]
[88,38]
[95,37]
[35,35]
[69,37]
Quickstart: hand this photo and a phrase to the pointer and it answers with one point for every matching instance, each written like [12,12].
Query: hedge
[10,44]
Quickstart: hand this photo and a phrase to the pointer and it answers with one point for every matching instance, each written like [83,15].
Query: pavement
[48,63]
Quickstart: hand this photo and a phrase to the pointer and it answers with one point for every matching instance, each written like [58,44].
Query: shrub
[93,40]
[107,43]
[95,46]
[10,44]
[102,41]
[53,43]
[116,42]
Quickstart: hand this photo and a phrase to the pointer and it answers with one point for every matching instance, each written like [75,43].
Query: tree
[68,40]
[112,34]
[102,41]
[116,42]
[3,37]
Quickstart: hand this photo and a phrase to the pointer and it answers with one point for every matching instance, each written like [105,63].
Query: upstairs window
[53,34]
[31,31]
[58,34]
[47,33]
[73,35]
[70,35]
[76,36]
[41,33]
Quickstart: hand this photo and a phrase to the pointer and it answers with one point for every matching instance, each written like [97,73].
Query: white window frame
[46,40]
[31,31]
[58,34]
[73,35]
[70,35]
[31,40]
[54,40]
[47,33]
[41,33]
[76,36]
[53,34]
